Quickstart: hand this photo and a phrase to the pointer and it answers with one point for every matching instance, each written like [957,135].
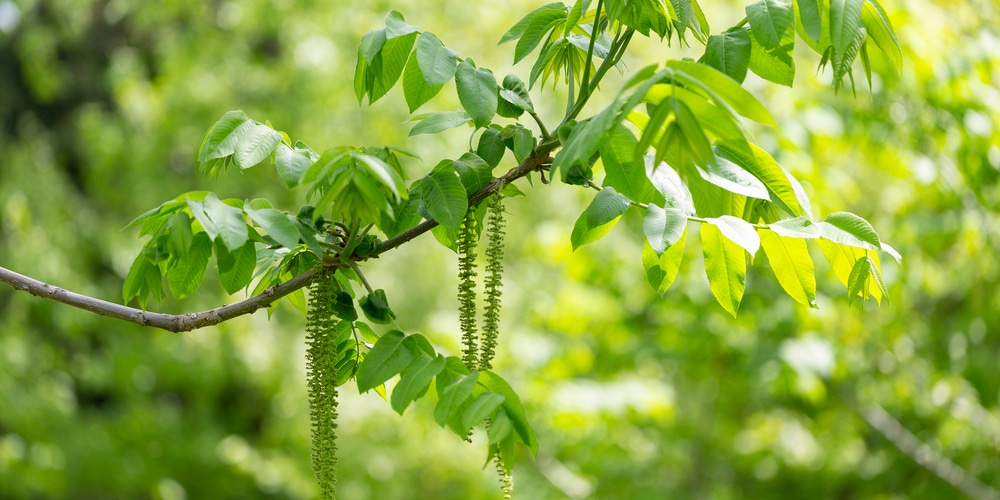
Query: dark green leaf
[376,307]
[541,23]
[607,206]
[515,92]
[524,143]
[414,380]
[444,196]
[236,267]
[521,26]
[185,274]
[474,172]
[415,88]
[452,397]
[343,306]
[491,147]
[512,405]
[477,91]
[729,53]
[437,63]
[180,234]
[277,224]
[432,123]
[386,359]
[480,408]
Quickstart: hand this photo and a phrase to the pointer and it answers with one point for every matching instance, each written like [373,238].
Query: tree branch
[192,321]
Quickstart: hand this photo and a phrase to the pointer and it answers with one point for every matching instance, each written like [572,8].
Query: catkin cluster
[467,236]
[321,375]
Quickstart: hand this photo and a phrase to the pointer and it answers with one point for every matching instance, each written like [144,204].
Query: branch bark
[192,321]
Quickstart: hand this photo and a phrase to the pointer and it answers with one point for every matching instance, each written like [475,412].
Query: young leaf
[860,280]
[342,306]
[771,21]
[524,143]
[763,167]
[729,176]
[236,267]
[437,63]
[811,19]
[228,220]
[663,228]
[415,88]
[185,274]
[292,164]
[617,151]
[376,307]
[220,140]
[846,228]
[432,123]
[179,240]
[541,23]
[879,28]
[477,91]
[606,206]
[738,231]
[777,67]
[480,408]
[500,428]
[724,91]
[516,93]
[452,397]
[725,266]
[792,266]
[729,53]
[382,172]
[277,224]
[387,358]
[511,405]
[519,28]
[256,145]
[414,380]
[444,196]
[669,184]
[662,271]
[474,172]
[491,148]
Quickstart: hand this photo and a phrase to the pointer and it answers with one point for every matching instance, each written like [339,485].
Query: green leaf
[792,266]
[371,45]
[387,358]
[524,143]
[669,184]
[729,176]
[799,227]
[444,196]
[292,164]
[663,227]
[437,63]
[688,15]
[584,234]
[395,26]
[236,267]
[617,151]
[777,67]
[608,205]
[491,148]
[846,228]
[860,280]
[480,408]
[135,284]
[725,266]
[729,53]
[277,224]
[771,21]
[415,88]
[584,140]
[811,19]
[477,91]
[540,23]
[342,306]
[382,172]
[432,123]
[414,380]
[220,140]
[516,31]
[452,397]
[879,28]
[376,307]
[511,405]
[845,21]
[184,275]
[723,90]
[516,93]
[762,166]
[500,427]
[662,271]
[474,172]
[227,220]
[256,145]
[404,216]
[179,240]
[738,231]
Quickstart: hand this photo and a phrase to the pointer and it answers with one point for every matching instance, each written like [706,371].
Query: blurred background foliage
[103,104]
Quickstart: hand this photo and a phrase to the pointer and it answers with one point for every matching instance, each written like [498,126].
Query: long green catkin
[467,289]
[493,282]
[321,375]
